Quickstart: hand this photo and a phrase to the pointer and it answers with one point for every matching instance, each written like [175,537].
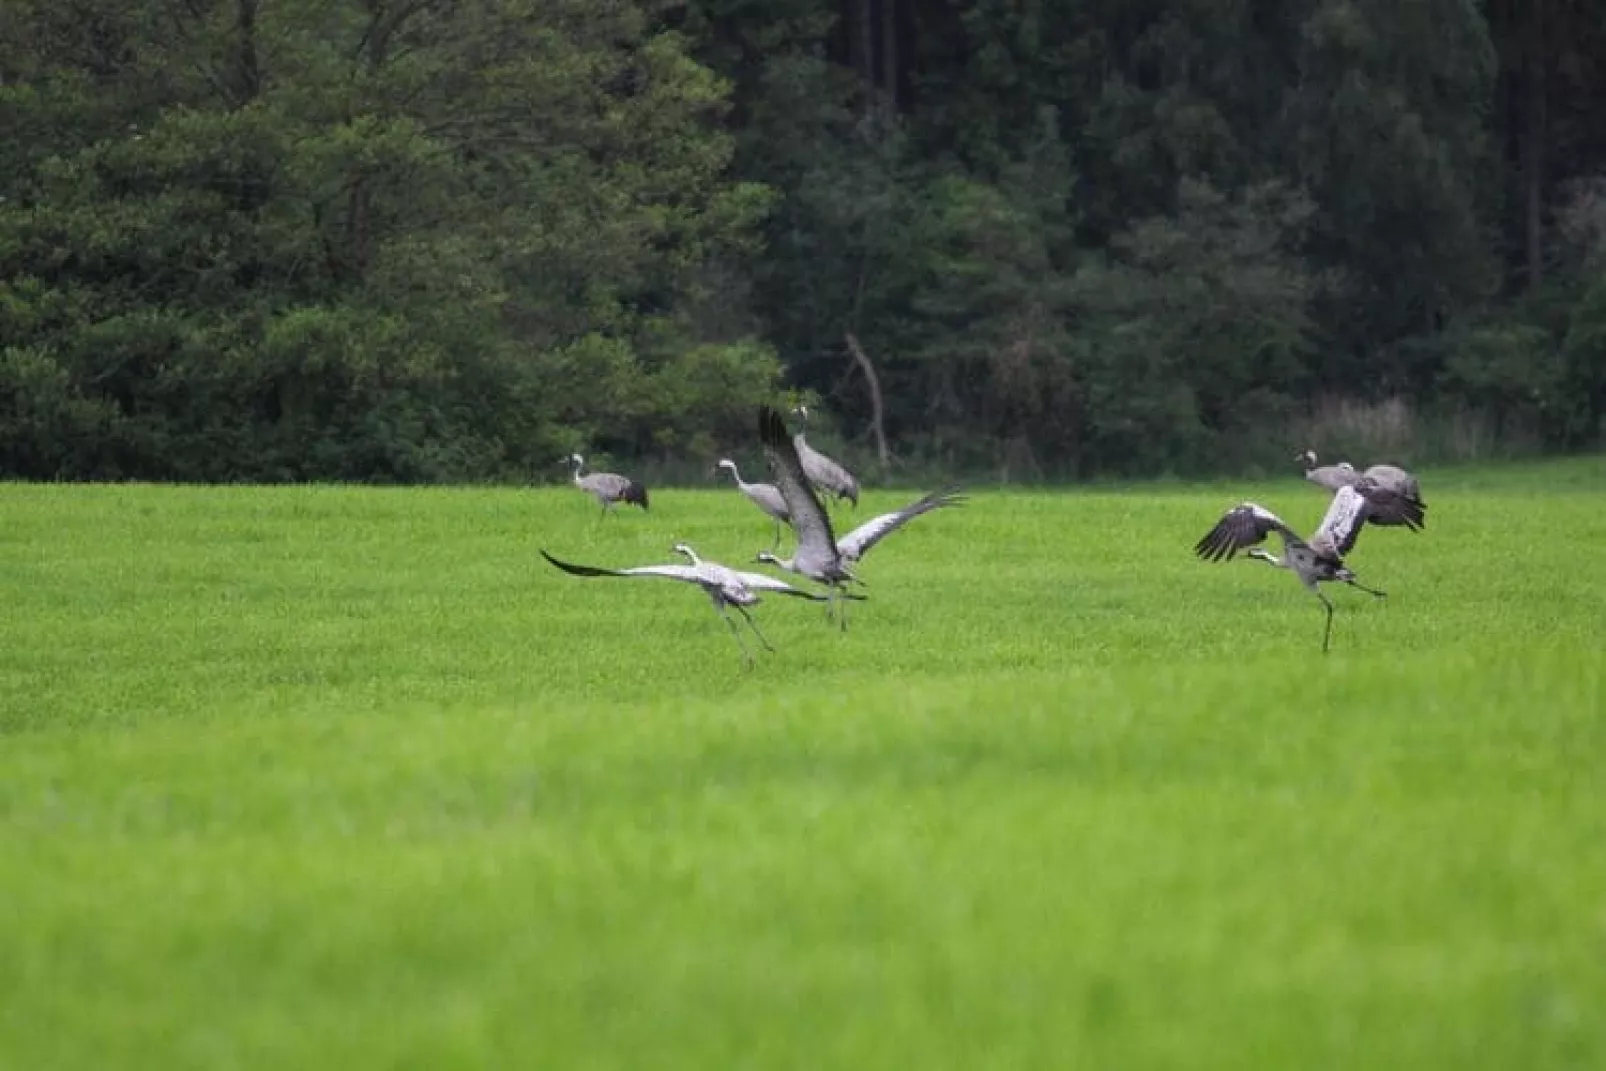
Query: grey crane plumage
[1389,478]
[608,488]
[857,543]
[821,471]
[1395,479]
[726,587]
[1318,560]
[1331,477]
[766,496]
[816,556]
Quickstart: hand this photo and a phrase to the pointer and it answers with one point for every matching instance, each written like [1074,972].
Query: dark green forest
[452,240]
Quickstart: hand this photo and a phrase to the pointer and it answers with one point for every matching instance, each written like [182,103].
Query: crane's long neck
[736,474]
[578,463]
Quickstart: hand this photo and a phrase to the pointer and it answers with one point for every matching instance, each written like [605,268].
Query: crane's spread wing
[1244,525]
[1341,526]
[809,520]
[857,543]
[1391,505]
[769,584]
[669,572]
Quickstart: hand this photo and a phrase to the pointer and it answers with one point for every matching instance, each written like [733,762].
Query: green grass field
[337,778]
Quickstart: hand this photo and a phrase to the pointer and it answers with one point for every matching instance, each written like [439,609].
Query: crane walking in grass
[1320,560]
[726,587]
[766,496]
[608,488]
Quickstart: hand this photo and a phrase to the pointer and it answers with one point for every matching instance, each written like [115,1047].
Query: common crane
[1322,558]
[1331,477]
[725,586]
[816,556]
[766,496]
[821,471]
[857,543]
[1395,479]
[1388,477]
[608,488]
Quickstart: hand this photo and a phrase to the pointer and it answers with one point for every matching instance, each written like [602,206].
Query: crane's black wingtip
[571,569]
[1216,545]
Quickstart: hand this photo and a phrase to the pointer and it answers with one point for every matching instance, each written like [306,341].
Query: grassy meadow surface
[331,777]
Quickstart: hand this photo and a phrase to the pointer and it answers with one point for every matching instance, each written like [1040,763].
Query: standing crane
[857,543]
[726,587]
[821,471]
[766,496]
[816,556]
[1322,558]
[1388,477]
[608,488]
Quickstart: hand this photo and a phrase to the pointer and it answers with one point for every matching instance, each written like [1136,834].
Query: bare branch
[876,412]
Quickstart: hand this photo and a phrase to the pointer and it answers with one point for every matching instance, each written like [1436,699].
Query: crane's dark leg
[1370,591]
[775,546]
[747,656]
[754,626]
[1327,633]
[836,606]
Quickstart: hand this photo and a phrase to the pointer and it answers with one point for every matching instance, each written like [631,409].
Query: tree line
[432,240]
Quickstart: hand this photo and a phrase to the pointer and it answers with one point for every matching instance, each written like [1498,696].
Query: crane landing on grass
[857,543]
[726,587]
[1320,560]
[816,556]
